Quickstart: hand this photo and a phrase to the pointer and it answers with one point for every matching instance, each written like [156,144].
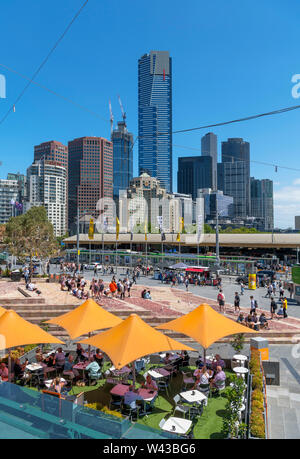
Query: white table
[34,367]
[154,374]
[241,371]
[194,396]
[177,425]
[240,358]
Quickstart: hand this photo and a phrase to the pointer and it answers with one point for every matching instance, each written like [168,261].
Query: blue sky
[230,59]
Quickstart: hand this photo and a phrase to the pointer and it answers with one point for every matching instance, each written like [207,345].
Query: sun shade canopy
[131,340]
[16,331]
[205,325]
[88,317]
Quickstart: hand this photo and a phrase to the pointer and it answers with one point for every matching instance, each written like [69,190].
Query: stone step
[22,301]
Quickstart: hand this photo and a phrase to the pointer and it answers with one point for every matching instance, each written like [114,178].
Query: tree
[208,229]
[31,235]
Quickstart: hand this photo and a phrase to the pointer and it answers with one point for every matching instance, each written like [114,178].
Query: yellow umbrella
[131,340]
[89,316]
[16,331]
[2,310]
[205,325]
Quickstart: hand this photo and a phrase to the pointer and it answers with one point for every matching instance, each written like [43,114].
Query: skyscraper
[262,201]
[193,173]
[9,191]
[209,147]
[47,186]
[52,151]
[122,158]
[234,174]
[90,175]
[155,116]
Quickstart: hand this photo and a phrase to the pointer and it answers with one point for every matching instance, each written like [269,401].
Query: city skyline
[202,94]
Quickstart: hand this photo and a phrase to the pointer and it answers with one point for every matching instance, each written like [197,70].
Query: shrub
[257,395]
[257,421]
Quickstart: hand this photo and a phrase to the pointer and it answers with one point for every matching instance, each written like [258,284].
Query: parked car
[91,267]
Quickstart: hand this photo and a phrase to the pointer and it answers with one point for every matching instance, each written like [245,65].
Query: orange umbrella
[89,316]
[2,311]
[131,340]
[205,325]
[16,331]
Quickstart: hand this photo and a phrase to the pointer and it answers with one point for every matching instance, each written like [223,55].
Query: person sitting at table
[150,384]
[202,376]
[220,376]
[59,359]
[99,357]
[49,360]
[131,397]
[167,359]
[185,359]
[68,368]
[94,370]
[217,362]
[80,351]
[263,321]
[3,371]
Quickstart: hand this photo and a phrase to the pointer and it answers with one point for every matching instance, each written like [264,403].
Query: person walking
[242,288]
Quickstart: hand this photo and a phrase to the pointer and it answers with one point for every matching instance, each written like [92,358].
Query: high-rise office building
[262,205]
[216,200]
[90,175]
[122,158]
[52,151]
[47,186]
[9,192]
[234,174]
[21,179]
[209,147]
[193,173]
[155,116]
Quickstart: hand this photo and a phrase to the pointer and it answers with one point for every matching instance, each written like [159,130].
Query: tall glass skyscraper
[155,116]
[123,158]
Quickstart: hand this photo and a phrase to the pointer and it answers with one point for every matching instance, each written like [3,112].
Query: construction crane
[111,119]
[122,110]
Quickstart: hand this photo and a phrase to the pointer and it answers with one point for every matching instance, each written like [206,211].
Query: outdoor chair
[196,410]
[163,386]
[187,379]
[155,359]
[179,407]
[94,378]
[218,387]
[38,379]
[204,389]
[162,423]
[115,403]
[129,412]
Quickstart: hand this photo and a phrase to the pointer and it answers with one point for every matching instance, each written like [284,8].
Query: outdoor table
[171,356]
[177,425]
[193,396]
[240,358]
[119,389]
[81,366]
[49,382]
[34,367]
[121,371]
[162,371]
[155,374]
[49,369]
[147,394]
[241,371]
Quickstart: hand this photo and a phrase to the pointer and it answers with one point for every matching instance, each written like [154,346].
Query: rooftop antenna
[111,118]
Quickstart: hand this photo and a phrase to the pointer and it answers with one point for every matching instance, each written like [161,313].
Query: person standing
[284,306]
[273,307]
[237,302]
[253,305]
[221,300]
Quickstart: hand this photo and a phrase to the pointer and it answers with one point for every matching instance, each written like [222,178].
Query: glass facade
[155,116]
[209,147]
[262,201]
[123,158]
[194,173]
[234,174]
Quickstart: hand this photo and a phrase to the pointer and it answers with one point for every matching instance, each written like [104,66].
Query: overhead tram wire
[51,91]
[44,61]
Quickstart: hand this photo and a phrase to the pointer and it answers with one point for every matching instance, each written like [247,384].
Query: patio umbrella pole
[133,374]
[89,348]
[9,366]
[204,356]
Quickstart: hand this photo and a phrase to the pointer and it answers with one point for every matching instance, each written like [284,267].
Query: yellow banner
[117,228]
[252,281]
[91,229]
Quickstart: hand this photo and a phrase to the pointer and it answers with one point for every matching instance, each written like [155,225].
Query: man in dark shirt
[236,302]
